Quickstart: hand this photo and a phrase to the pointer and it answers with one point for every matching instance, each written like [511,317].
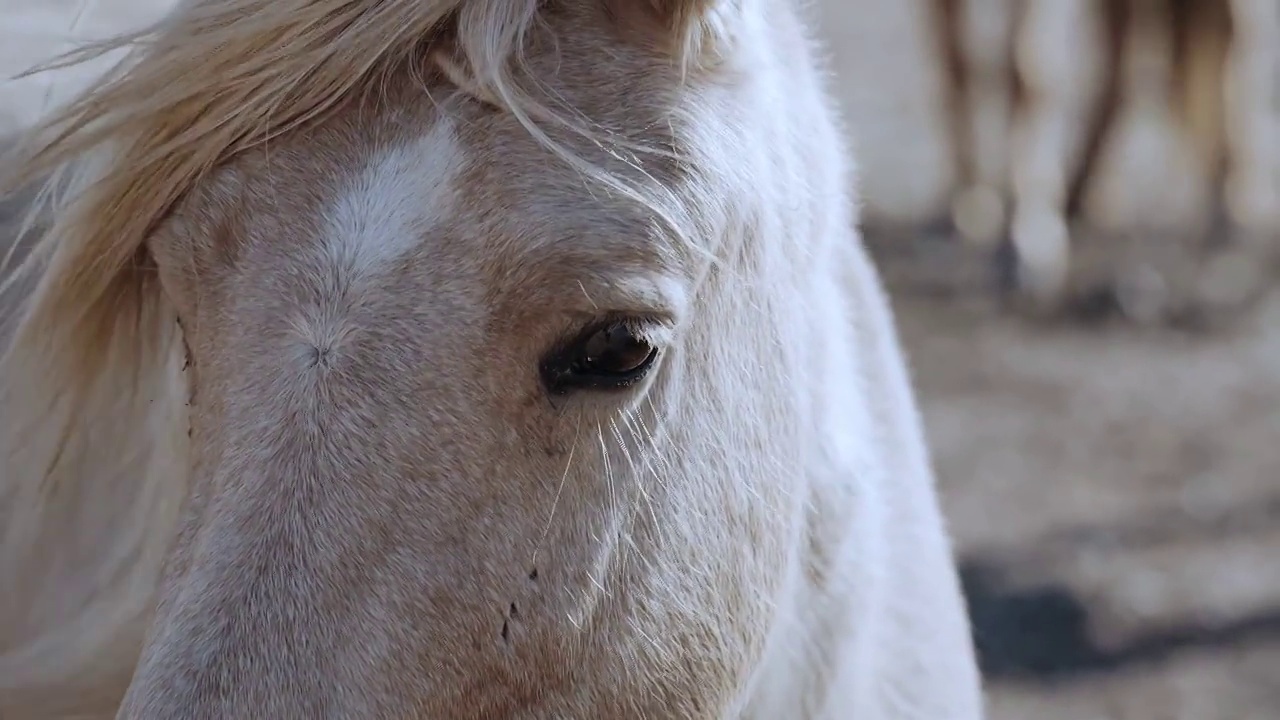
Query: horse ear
[699,30]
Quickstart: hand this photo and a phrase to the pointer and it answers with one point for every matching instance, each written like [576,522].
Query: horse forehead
[394,198]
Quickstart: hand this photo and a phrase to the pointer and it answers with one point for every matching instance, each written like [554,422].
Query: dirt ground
[1115,496]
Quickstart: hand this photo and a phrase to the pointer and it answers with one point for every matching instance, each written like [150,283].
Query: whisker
[564,476]
[639,478]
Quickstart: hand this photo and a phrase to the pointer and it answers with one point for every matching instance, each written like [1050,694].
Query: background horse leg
[1207,51]
[1055,79]
[944,26]
[1252,83]
[1148,194]
[984,30]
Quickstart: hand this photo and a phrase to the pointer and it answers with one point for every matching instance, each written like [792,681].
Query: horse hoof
[1042,246]
[1253,204]
[1143,295]
[978,213]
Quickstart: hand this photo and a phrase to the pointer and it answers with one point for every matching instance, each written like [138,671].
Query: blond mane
[213,79]
[203,84]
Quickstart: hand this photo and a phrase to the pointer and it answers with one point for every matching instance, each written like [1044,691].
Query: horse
[1038,93]
[464,359]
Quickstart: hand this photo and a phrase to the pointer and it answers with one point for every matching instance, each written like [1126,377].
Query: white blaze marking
[390,205]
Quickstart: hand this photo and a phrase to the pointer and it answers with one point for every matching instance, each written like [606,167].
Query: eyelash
[577,366]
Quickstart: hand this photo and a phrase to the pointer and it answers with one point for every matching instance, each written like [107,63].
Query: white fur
[403,194]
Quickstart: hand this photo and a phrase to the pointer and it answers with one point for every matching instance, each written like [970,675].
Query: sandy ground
[1115,493]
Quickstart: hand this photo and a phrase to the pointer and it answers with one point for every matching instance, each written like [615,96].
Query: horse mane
[200,86]
[216,77]
[92,417]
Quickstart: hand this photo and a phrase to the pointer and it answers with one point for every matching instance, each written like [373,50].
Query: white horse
[465,359]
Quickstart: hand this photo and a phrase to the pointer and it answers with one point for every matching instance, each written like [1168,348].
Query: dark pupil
[614,350]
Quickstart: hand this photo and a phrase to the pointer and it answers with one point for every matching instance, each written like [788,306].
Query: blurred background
[1075,205]
[1105,421]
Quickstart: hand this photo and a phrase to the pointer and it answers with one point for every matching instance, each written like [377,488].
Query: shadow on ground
[1042,633]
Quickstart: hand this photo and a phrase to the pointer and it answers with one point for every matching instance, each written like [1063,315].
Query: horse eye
[607,357]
